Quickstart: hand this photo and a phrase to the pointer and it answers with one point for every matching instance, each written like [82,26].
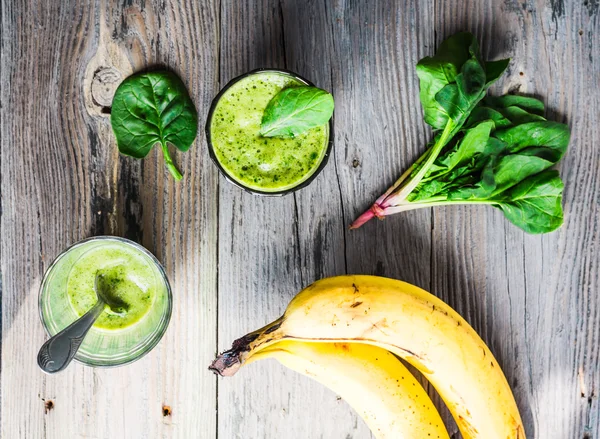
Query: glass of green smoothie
[262,165]
[135,278]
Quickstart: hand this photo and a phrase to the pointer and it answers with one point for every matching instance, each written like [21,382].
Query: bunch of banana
[353,311]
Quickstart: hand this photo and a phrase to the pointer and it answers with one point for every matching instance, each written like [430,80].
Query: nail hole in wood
[166,410]
[580,32]
[355,163]
[521,74]
[48,405]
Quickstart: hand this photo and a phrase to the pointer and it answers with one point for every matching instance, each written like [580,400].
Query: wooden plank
[563,321]
[380,133]
[308,37]
[264,241]
[459,234]
[378,130]
[534,298]
[63,180]
[321,227]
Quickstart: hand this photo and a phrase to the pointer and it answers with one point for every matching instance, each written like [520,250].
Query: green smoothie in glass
[127,276]
[268,165]
[134,283]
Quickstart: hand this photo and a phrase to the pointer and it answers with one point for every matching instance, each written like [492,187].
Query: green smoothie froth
[127,278]
[268,164]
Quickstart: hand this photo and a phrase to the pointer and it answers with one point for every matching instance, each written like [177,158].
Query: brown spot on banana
[465,426]
[274,328]
[343,346]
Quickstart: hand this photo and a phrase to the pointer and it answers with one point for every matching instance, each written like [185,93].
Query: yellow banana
[412,324]
[375,383]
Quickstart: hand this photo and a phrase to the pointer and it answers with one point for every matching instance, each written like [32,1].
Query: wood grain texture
[534,299]
[270,247]
[234,259]
[63,180]
[379,132]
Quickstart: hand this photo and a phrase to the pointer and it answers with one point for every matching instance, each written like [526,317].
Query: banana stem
[230,361]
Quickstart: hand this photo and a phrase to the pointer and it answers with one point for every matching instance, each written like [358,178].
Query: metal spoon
[56,354]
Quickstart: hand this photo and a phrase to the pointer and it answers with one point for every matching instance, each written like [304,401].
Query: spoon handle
[58,351]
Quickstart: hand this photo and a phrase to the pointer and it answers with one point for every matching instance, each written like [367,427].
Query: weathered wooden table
[235,260]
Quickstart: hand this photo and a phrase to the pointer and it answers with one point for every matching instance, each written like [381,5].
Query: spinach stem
[170,165]
[401,195]
[411,206]
[403,177]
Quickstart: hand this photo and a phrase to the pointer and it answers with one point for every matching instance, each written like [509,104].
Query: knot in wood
[104,84]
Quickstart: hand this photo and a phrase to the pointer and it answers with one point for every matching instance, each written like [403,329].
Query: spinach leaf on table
[454,80]
[474,142]
[549,139]
[295,110]
[507,110]
[534,205]
[487,150]
[151,108]
[526,103]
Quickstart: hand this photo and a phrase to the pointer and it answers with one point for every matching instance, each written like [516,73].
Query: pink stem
[374,211]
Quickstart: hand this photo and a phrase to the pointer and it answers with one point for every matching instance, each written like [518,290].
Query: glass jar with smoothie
[132,276]
[262,165]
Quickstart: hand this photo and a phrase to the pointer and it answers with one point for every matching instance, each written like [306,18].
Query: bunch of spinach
[486,150]
[151,108]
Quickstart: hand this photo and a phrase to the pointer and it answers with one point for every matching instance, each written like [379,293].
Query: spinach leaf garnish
[151,108]
[486,150]
[295,110]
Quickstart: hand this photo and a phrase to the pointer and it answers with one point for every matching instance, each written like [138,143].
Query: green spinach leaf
[481,113]
[495,69]
[534,205]
[454,80]
[531,105]
[500,174]
[553,136]
[295,110]
[517,116]
[441,70]
[151,108]
[473,143]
